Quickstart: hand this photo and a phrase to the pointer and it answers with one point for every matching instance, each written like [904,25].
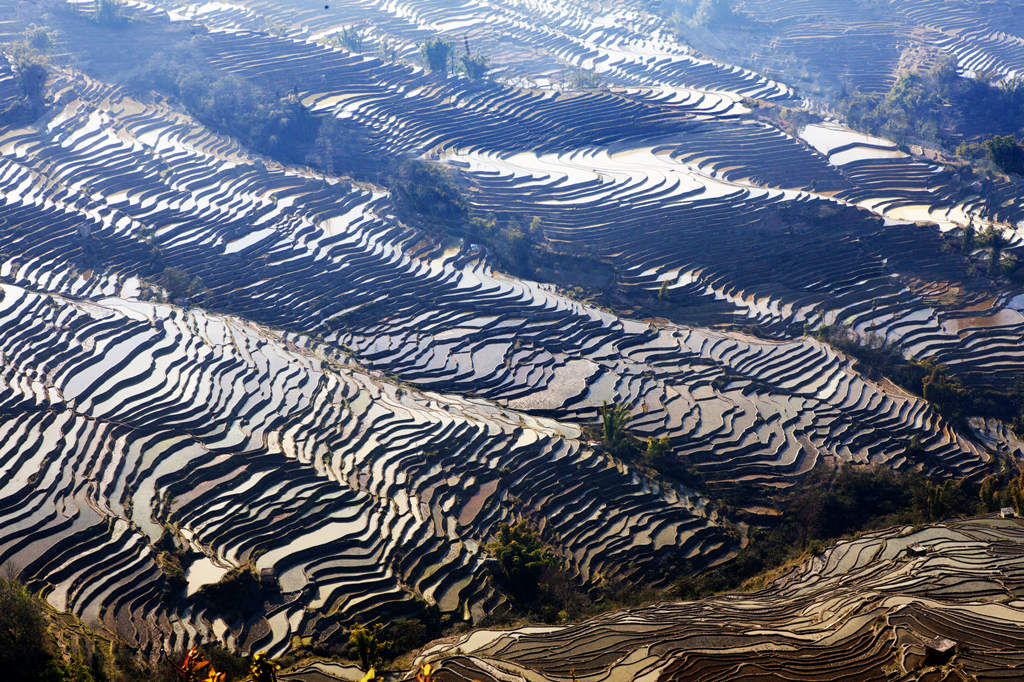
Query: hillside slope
[867,608]
[215,363]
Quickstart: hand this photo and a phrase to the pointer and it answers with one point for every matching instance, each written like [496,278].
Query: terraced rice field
[530,43]
[360,405]
[860,45]
[653,161]
[123,417]
[863,609]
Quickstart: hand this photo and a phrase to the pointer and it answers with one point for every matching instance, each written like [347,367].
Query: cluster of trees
[40,38]
[351,38]
[439,57]
[513,243]
[261,120]
[27,650]
[30,70]
[172,65]
[534,577]
[999,262]
[238,596]
[523,560]
[180,285]
[1002,151]
[369,644]
[428,195]
[272,123]
[654,454]
[938,108]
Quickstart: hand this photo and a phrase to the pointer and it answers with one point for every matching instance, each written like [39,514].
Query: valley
[292,324]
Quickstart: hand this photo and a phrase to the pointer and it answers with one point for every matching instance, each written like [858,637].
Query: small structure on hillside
[917,549]
[1007,513]
[940,648]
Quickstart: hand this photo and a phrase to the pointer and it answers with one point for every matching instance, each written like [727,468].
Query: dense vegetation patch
[168,61]
[425,193]
[1003,151]
[276,126]
[523,559]
[31,73]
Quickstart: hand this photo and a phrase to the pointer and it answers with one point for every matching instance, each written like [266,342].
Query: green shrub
[523,558]
[615,437]
[369,644]
[475,66]
[437,53]
[26,645]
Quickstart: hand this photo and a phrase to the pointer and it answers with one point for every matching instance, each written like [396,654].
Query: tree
[1005,153]
[32,79]
[195,668]
[475,66]
[523,558]
[388,50]
[947,499]
[39,38]
[351,39]
[236,596]
[1016,494]
[437,53]
[967,239]
[369,645]
[949,396]
[263,669]
[614,436]
[408,633]
[175,281]
[999,490]
[657,452]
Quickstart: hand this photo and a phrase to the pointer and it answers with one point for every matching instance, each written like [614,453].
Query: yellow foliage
[195,668]
[263,669]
